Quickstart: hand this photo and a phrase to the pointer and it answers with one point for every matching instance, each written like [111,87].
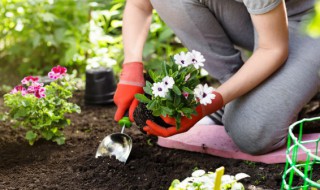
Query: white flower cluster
[194,58]
[202,92]
[161,88]
[200,180]
[101,60]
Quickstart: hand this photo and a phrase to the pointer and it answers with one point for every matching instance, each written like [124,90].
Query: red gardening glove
[186,123]
[131,82]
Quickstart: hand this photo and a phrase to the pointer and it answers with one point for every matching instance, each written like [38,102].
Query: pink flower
[19,88]
[185,94]
[57,72]
[34,87]
[28,79]
[40,93]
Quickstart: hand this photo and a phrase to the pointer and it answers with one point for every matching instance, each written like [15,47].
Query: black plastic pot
[100,86]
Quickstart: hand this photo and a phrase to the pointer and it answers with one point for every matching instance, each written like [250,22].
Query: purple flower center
[204,95]
[194,60]
[159,89]
[182,61]
[166,83]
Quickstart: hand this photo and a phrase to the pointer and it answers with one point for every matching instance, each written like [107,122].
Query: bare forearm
[262,64]
[136,22]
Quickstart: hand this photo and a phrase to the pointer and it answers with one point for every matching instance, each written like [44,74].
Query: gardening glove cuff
[131,82]
[132,74]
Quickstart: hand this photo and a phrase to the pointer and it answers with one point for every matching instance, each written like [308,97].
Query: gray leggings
[258,121]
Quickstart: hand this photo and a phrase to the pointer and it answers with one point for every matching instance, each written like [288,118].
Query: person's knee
[260,146]
[255,134]
[256,141]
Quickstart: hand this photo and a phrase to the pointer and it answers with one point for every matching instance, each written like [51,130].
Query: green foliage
[43,117]
[37,34]
[313,28]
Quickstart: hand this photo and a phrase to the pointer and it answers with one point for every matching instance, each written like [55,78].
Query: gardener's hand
[186,123]
[131,82]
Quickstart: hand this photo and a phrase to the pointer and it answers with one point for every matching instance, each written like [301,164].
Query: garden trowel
[117,144]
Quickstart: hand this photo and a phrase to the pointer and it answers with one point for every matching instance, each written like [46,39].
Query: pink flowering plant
[175,90]
[41,108]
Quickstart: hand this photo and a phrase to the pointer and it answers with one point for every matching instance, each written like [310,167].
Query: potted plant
[41,108]
[174,91]
[100,81]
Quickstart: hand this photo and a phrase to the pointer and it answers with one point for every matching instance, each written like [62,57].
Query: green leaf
[39,126]
[151,105]
[20,113]
[178,121]
[31,137]
[59,34]
[164,68]
[147,90]
[188,90]
[148,49]
[156,112]
[36,39]
[142,98]
[152,75]
[47,135]
[176,90]
[166,111]
[148,84]
[60,140]
[177,100]
[187,110]
[165,34]
[169,104]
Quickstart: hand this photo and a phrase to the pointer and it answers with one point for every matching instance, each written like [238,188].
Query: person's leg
[258,122]
[211,27]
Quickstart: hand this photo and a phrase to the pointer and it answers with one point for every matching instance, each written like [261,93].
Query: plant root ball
[141,114]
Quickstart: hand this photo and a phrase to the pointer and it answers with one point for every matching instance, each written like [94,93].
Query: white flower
[226,179]
[159,89]
[101,51]
[204,93]
[168,82]
[240,176]
[195,58]
[181,59]
[237,186]
[198,173]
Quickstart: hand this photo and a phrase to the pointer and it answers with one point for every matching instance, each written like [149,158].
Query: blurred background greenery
[36,35]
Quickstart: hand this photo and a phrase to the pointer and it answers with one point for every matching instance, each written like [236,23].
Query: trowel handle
[125,121]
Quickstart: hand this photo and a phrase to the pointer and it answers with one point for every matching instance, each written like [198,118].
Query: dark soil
[73,166]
